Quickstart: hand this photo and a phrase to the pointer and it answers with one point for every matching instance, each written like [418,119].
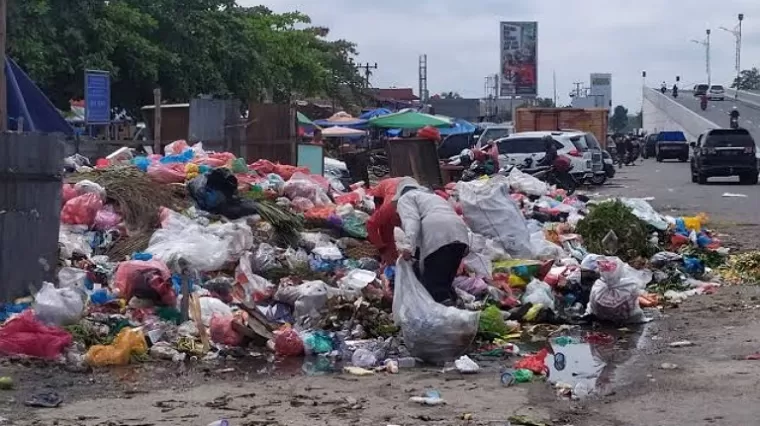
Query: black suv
[724,152]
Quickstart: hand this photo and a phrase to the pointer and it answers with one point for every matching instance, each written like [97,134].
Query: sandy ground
[712,384]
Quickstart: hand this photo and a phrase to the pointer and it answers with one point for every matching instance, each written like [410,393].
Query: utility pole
[737,32]
[423,79]
[706,44]
[3,87]
[554,81]
[367,72]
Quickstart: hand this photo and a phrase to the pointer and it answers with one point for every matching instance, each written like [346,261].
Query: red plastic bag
[68,192]
[211,162]
[319,213]
[145,279]
[177,147]
[167,173]
[81,210]
[385,189]
[227,157]
[262,167]
[430,133]
[25,335]
[288,343]
[534,363]
[287,171]
[353,198]
[106,219]
[222,331]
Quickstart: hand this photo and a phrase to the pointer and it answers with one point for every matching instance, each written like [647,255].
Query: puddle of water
[577,364]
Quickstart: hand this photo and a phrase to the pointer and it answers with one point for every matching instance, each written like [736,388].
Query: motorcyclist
[703,102]
[675,90]
[664,87]
[550,150]
[488,156]
[734,114]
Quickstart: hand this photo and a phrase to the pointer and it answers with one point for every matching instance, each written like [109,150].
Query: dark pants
[440,269]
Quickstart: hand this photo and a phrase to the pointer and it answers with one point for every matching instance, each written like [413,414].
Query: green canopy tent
[409,119]
[303,120]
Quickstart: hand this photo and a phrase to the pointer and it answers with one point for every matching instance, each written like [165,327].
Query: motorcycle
[663,89]
[734,122]
[703,103]
[675,92]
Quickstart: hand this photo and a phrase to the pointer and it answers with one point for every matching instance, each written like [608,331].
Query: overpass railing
[691,122]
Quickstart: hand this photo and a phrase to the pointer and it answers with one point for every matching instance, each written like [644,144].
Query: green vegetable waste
[632,233]
[492,325]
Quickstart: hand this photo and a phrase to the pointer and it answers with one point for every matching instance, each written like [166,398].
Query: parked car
[649,146]
[454,144]
[701,89]
[725,152]
[716,93]
[494,132]
[672,145]
[518,147]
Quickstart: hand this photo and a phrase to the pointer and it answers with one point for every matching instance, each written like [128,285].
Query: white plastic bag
[489,210]
[89,187]
[59,306]
[307,299]
[72,277]
[70,242]
[431,331]
[523,182]
[539,293]
[615,296]
[466,365]
[544,249]
[644,211]
[211,306]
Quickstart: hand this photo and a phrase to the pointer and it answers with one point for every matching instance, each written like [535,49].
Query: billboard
[519,59]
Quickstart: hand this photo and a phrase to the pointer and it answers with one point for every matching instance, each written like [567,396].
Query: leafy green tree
[545,103]
[619,120]
[747,80]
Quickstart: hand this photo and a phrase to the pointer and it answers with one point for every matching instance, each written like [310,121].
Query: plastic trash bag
[106,218]
[133,278]
[363,358]
[67,192]
[431,331]
[539,293]
[59,306]
[167,173]
[288,343]
[90,187]
[490,211]
[523,182]
[129,341]
[26,335]
[317,342]
[644,211]
[301,185]
[199,246]
[615,295]
[249,286]
[307,299]
[472,285]
[221,330]
[81,210]
[211,306]
[72,277]
[70,242]
[544,249]
[265,258]
[176,147]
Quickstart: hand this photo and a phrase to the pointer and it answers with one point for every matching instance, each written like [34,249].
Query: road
[717,112]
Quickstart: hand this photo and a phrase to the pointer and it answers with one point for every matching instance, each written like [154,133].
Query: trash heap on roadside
[197,255]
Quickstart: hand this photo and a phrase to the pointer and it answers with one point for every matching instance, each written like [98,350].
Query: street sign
[97,97]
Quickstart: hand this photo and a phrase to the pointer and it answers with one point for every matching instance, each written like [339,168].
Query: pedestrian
[317,138]
[436,236]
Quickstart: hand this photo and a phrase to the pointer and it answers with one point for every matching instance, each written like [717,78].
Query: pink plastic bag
[134,277]
[106,219]
[25,335]
[167,173]
[222,331]
[81,210]
[176,147]
[68,192]
[288,343]
[262,167]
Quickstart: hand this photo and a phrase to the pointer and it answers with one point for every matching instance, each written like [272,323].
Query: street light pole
[737,32]
[706,44]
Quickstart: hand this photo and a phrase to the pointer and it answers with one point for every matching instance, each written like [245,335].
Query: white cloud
[576,38]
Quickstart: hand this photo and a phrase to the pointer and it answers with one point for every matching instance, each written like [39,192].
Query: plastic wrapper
[26,335]
[221,330]
[523,182]
[176,147]
[59,306]
[90,187]
[81,210]
[71,242]
[490,211]
[144,279]
[288,343]
[615,296]
[129,341]
[432,332]
[539,293]
[296,259]
[167,173]
[249,286]
[307,299]
[535,363]
[203,248]
[106,218]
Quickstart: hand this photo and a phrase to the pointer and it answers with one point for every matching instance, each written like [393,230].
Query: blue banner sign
[97,97]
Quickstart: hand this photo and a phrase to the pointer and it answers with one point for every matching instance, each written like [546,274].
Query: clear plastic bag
[90,187]
[71,242]
[301,185]
[296,258]
[201,249]
[265,258]
[523,182]
[59,306]
[539,293]
[308,299]
[544,249]
[249,286]
[81,210]
[432,332]
[615,296]
[177,147]
[490,211]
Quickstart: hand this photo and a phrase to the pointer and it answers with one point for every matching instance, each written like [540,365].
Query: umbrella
[459,127]
[339,132]
[303,120]
[375,113]
[340,119]
[409,119]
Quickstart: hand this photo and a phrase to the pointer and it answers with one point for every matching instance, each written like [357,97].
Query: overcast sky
[576,38]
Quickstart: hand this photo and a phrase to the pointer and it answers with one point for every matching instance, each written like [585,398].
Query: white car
[716,93]
[494,132]
[517,147]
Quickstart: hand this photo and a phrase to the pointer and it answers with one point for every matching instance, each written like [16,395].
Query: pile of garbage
[198,255]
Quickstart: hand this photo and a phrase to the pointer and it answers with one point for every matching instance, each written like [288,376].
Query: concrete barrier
[670,113]
[749,98]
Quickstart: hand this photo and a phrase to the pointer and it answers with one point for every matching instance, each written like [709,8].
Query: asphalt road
[674,193]
[717,112]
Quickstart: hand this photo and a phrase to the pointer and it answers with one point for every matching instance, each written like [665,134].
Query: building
[597,95]
[467,109]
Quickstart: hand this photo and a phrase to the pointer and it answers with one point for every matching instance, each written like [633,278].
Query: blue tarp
[674,136]
[354,124]
[459,127]
[375,113]
[26,100]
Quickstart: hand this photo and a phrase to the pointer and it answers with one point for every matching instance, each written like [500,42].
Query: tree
[544,103]
[186,47]
[450,95]
[619,120]
[747,80]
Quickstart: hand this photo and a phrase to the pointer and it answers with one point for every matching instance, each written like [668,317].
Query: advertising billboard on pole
[518,71]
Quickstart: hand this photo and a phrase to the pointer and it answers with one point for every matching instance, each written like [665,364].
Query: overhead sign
[519,59]
[97,97]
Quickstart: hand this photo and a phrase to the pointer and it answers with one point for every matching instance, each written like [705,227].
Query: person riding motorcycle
[703,102]
[488,156]
[734,120]
[664,87]
[550,150]
[675,91]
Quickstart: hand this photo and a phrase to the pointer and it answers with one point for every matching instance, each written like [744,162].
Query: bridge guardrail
[690,121]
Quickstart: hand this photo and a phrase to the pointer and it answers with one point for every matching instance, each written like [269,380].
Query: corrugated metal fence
[30,207]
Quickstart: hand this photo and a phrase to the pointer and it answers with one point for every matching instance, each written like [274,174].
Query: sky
[576,38]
